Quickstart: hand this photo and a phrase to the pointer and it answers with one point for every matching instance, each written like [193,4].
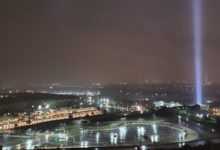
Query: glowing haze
[197,25]
[111,41]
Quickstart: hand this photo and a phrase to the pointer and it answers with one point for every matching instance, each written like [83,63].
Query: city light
[122,132]
[197,27]
[154,138]
[97,137]
[6,148]
[154,126]
[39,107]
[113,138]
[29,144]
[179,118]
[84,144]
[140,132]
[37,118]
[110,75]
[47,106]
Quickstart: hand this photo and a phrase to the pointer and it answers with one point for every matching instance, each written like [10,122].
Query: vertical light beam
[197,27]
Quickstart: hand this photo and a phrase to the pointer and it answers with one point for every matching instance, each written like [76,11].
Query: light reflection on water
[113,133]
[144,133]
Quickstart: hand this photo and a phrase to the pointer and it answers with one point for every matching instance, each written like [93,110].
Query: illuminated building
[215,111]
[166,104]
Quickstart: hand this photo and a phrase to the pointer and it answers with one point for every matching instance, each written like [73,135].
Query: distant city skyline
[111,41]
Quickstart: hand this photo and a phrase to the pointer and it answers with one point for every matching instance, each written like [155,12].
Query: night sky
[105,40]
